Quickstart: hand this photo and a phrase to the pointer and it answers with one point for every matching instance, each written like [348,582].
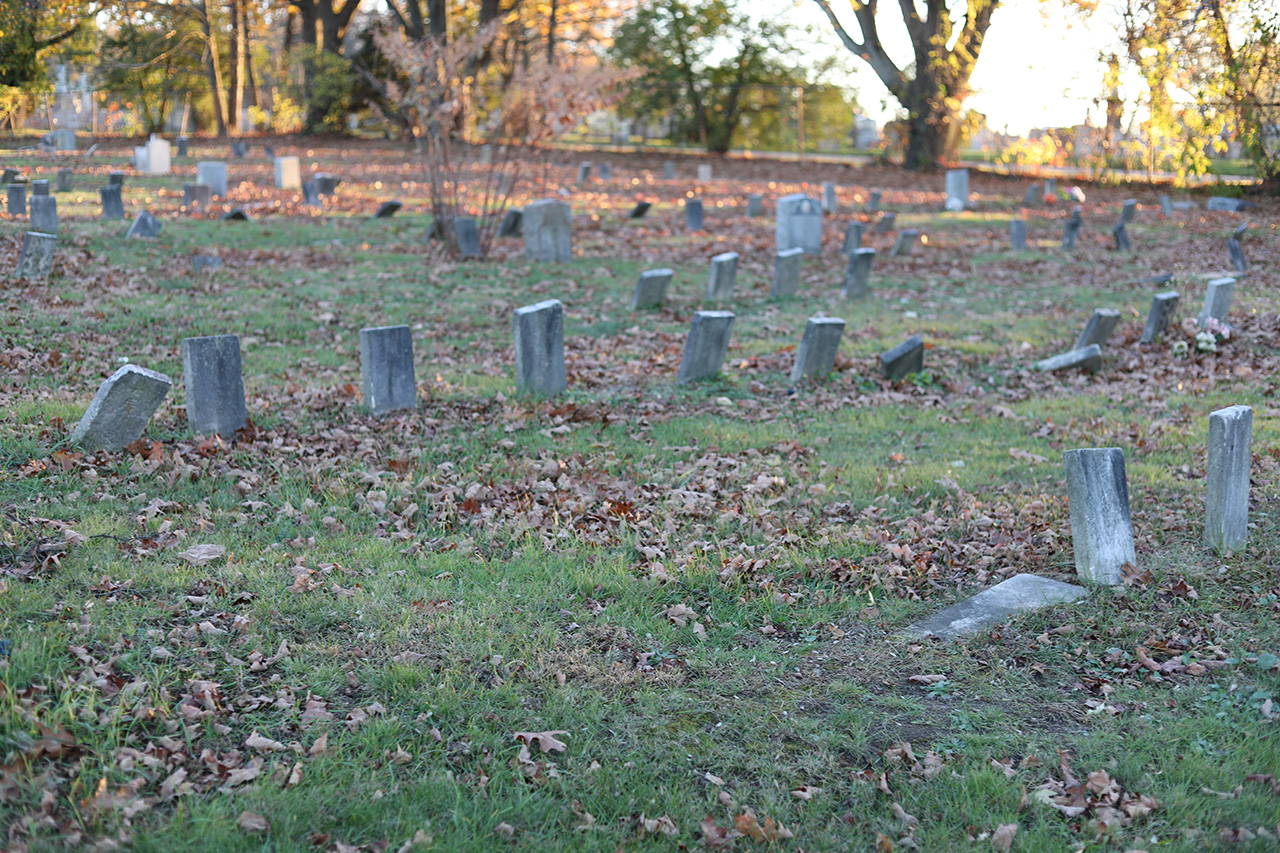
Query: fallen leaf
[251,822]
[504,829]
[198,555]
[1002,838]
[909,822]
[546,741]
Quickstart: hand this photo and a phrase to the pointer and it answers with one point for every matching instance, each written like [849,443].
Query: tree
[151,59]
[933,88]
[28,27]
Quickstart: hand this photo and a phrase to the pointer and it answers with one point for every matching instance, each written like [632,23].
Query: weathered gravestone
[903,360]
[1098,501]
[144,226]
[1226,519]
[957,190]
[200,263]
[786,273]
[10,175]
[829,201]
[36,258]
[888,222]
[704,173]
[214,385]
[387,209]
[668,171]
[44,214]
[511,224]
[1050,187]
[386,368]
[818,347]
[1224,204]
[64,139]
[39,188]
[1166,207]
[121,409]
[115,179]
[1071,230]
[213,173]
[112,202]
[288,171]
[706,346]
[467,236]
[641,208]
[139,161]
[239,149]
[16,200]
[1158,318]
[1099,328]
[311,194]
[799,224]
[720,281]
[1217,301]
[755,205]
[1018,594]
[1128,209]
[651,289]
[584,172]
[1088,359]
[1235,251]
[1031,195]
[157,156]
[236,214]
[326,184]
[1018,235]
[548,231]
[853,236]
[906,241]
[605,171]
[857,273]
[693,214]
[1121,236]
[183,146]
[539,344]
[873,202]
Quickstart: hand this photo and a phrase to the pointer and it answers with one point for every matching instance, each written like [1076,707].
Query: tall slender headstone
[213,173]
[548,231]
[755,205]
[1158,318]
[1121,236]
[799,224]
[829,201]
[1018,235]
[1235,251]
[16,200]
[668,171]
[539,345]
[1217,300]
[651,288]
[1099,328]
[512,224]
[183,145]
[121,409]
[584,172]
[1050,188]
[35,260]
[720,281]
[957,190]
[903,360]
[386,368]
[704,173]
[1098,500]
[65,179]
[1128,209]
[288,172]
[605,171]
[873,201]
[214,384]
[818,347]
[706,346]
[1031,196]
[1166,207]
[858,272]
[853,236]
[786,273]
[693,214]
[157,156]
[1071,230]
[311,194]
[112,203]
[1226,521]
[44,214]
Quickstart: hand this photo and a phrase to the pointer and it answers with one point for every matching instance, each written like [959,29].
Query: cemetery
[810,507]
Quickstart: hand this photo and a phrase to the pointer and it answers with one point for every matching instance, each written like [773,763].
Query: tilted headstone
[641,208]
[539,344]
[1018,235]
[853,236]
[548,231]
[605,171]
[326,184]
[1226,518]
[857,274]
[201,263]
[786,273]
[387,209]
[1224,204]
[214,385]
[112,202]
[906,241]
[115,179]
[36,258]
[1217,300]
[818,348]
[668,171]
[183,146]
[16,200]
[288,173]
[144,226]
[1098,501]
[157,153]
[1121,235]
[1018,594]
[1128,210]
[1099,328]
[693,214]
[724,270]
[1236,253]
[236,214]
[903,360]
[1166,207]
[704,173]
[120,411]
[584,172]
[196,196]
[799,223]
[1071,230]
[386,368]
[213,173]
[511,224]
[39,188]
[957,190]
[651,289]
[44,214]
[706,346]
[829,201]
[1089,359]
[755,205]
[467,236]
[1031,196]
[888,222]
[311,194]
[873,201]
[239,149]
[1159,317]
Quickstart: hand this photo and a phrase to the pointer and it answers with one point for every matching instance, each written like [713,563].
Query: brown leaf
[504,829]
[663,824]
[747,824]
[926,679]
[717,837]
[545,741]
[909,822]
[252,822]
[1002,838]
[199,555]
[883,843]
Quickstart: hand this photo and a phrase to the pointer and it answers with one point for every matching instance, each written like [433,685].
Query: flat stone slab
[1225,204]
[121,409]
[1018,594]
[206,262]
[237,215]
[1089,358]
[641,208]
[387,209]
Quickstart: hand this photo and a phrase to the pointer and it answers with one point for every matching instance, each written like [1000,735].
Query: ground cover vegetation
[638,616]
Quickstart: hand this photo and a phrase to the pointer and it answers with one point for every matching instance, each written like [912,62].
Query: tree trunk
[212,68]
[438,20]
[235,62]
[551,33]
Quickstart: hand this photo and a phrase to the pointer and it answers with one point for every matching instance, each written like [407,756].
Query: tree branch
[61,37]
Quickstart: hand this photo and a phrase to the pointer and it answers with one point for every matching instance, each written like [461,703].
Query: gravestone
[755,205]
[157,156]
[311,194]
[1018,594]
[1128,209]
[115,179]
[1050,187]
[64,139]
[1237,255]
[1018,235]
[144,226]
[1121,236]
[183,144]
[35,260]
[65,180]
[326,184]
[511,224]
[387,209]
[539,344]
[853,236]
[706,346]
[668,171]
[239,149]
[693,214]
[903,360]
[10,175]
[196,196]
[140,158]
[818,348]
[957,190]
[200,263]
[906,241]
[386,368]
[1089,358]
[213,173]
[1217,301]
[704,173]
[16,201]
[112,203]
[829,201]
[724,270]
[548,231]
[236,214]
[1099,328]
[606,171]
[288,173]
[1166,207]
[467,236]
[269,151]
[584,172]
[1226,518]
[786,273]
[873,203]
[1158,318]
[641,208]
[1098,501]
[1031,195]
[39,188]
[1224,204]
[1071,230]
[857,274]
[214,385]
[651,289]
[799,224]
[888,222]
[44,214]
[121,409]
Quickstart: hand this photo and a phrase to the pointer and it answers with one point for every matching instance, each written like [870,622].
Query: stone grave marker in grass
[196,196]
[39,188]
[786,273]
[201,263]
[829,201]
[1127,210]
[1217,301]
[706,346]
[1031,196]
[1071,230]
[957,190]
[1098,500]
[799,223]
[311,194]
[1166,207]
[214,385]
[584,172]
[873,201]
[1121,236]
[239,149]
[1018,235]
[236,214]
[605,171]
[1159,317]
[1234,250]
[467,236]
[1099,328]
[651,288]
[693,214]
[112,202]
[853,236]
[1226,521]
[115,179]
[721,278]
[64,139]
[1225,205]
[288,173]
[755,205]
[906,241]
[1018,594]
[16,199]
[10,175]
[857,272]
[668,171]
[903,360]
[213,173]
[1050,187]
[387,209]
[44,214]
[36,257]
[818,348]
[1089,358]
[704,173]
[639,211]
[121,409]
[888,222]
[511,224]
[326,184]
[158,156]
[539,345]
[386,368]
[66,180]
[145,226]
[548,231]
[183,146]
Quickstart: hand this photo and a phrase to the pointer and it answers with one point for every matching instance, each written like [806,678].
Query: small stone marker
[1050,187]
[1158,318]
[10,175]
[311,194]
[115,179]
[213,173]
[704,173]
[857,274]
[903,360]
[873,203]
[755,205]
[326,184]
[386,368]
[39,188]
[799,223]
[64,139]
[1234,250]
[240,149]
[1018,235]
[467,236]
[112,203]
[144,226]
[907,240]
[44,214]
[1098,499]
[140,158]
[16,202]
[641,208]
[1166,207]
[786,273]
[606,171]
[888,222]
[818,348]
[1226,518]
[539,343]
[548,232]
[1128,210]
[511,224]
[1071,230]
[1217,301]
[65,179]
[829,201]
[206,262]
[236,214]
[1089,358]
[183,145]
[121,409]
[651,288]
[157,156]
[1031,196]
[706,346]
[693,214]
[1018,594]
[1224,204]
[584,172]
[720,281]
[36,258]
[214,384]
[957,190]
[668,171]
[196,196]
[853,236]
[387,209]
[288,173]
[1121,236]
[1099,328]
[269,151]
